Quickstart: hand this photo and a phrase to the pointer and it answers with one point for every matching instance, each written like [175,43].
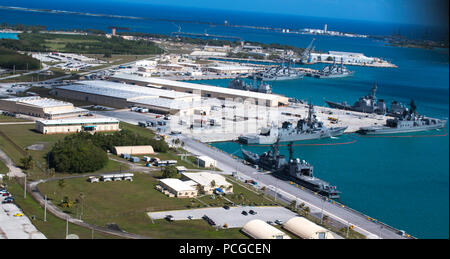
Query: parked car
[18,214]
[6,194]
[279,222]
[169,218]
[7,201]
[252,212]
[244,213]
[226,207]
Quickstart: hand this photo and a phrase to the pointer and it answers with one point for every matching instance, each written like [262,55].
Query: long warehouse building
[41,107]
[120,95]
[272,100]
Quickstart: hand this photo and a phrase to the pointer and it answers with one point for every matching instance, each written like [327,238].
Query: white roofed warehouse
[119,95]
[306,229]
[259,229]
[271,100]
[41,107]
[75,125]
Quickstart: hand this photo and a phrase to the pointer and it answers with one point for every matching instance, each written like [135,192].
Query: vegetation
[169,172]
[82,44]
[10,59]
[75,156]
[127,204]
[85,152]
[53,227]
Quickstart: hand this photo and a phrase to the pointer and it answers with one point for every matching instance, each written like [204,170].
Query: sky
[422,12]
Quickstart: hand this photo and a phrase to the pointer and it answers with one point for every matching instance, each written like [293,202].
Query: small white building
[205,179]
[206,161]
[177,188]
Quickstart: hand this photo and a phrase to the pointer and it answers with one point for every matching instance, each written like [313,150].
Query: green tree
[170,172]
[27,162]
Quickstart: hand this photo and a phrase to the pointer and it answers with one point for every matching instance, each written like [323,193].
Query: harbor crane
[305,57]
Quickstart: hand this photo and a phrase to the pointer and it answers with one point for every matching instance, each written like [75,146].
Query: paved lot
[12,227]
[232,217]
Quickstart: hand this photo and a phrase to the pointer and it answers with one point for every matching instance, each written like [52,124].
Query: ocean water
[400,181]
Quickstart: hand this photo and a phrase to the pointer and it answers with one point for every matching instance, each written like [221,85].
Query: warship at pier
[278,73]
[239,84]
[295,169]
[370,104]
[409,121]
[333,71]
[306,129]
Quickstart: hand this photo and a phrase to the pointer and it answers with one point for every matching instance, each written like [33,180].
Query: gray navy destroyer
[306,129]
[409,121]
[333,71]
[296,169]
[239,84]
[278,73]
[370,104]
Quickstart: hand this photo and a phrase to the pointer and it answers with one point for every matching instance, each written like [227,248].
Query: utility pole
[25,188]
[45,209]
[67,227]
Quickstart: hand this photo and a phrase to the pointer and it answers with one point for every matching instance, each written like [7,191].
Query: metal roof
[177,184]
[259,229]
[199,87]
[38,101]
[124,91]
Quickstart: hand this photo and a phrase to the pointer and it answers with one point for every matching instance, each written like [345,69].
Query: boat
[306,129]
[333,71]
[278,73]
[297,170]
[370,104]
[409,121]
[239,84]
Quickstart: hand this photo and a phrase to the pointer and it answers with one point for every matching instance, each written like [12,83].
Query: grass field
[4,118]
[126,203]
[23,135]
[3,168]
[53,228]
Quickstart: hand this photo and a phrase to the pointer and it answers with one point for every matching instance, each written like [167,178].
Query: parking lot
[14,224]
[233,216]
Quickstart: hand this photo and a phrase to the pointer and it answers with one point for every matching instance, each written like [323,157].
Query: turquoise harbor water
[7,35]
[401,181]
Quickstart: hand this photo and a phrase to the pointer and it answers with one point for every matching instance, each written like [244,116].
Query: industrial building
[133,150]
[41,107]
[259,229]
[222,93]
[74,125]
[205,180]
[306,229]
[119,95]
[206,161]
[176,188]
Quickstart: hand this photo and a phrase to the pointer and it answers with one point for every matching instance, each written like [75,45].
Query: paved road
[284,190]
